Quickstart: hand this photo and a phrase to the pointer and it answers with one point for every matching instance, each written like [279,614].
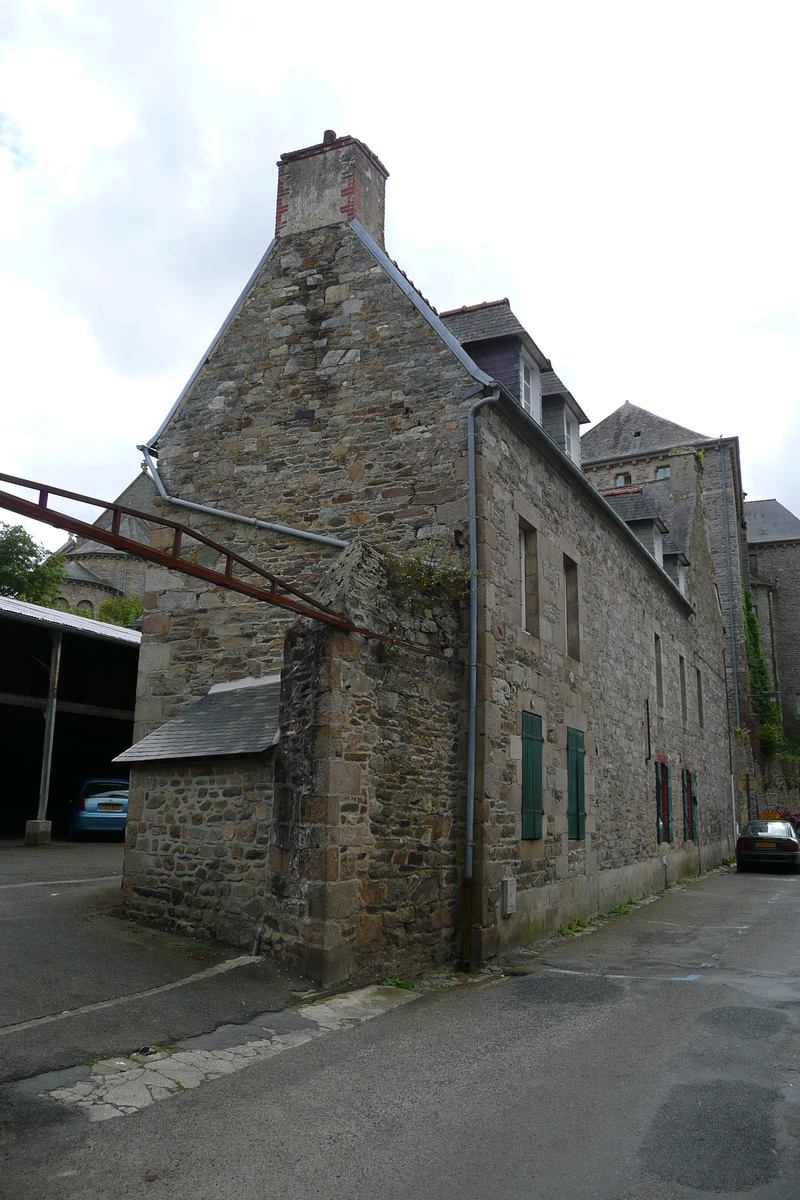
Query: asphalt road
[72,969]
[655,1058]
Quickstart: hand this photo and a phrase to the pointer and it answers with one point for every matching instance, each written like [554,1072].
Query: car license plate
[766,846]
[110,807]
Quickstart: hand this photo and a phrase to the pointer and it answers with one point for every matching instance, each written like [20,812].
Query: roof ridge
[451,312]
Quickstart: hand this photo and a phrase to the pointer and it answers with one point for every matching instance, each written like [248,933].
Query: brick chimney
[329,184]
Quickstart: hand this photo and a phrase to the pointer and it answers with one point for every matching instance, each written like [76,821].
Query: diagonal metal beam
[277,592]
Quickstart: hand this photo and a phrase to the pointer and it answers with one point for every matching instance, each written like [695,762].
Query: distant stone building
[95,571]
[773,543]
[634,448]
[319,784]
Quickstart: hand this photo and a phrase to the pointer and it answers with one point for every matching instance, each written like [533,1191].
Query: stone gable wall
[330,404]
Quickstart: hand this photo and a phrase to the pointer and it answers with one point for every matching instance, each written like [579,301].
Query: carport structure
[67,695]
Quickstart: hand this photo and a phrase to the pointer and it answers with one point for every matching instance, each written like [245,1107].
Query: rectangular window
[531,776]
[659,674]
[682,667]
[754,564]
[797,703]
[689,791]
[622,480]
[576,803]
[528,579]
[700,719]
[571,624]
[665,832]
[530,388]
[662,472]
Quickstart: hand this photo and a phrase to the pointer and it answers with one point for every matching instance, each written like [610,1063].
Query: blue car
[101,807]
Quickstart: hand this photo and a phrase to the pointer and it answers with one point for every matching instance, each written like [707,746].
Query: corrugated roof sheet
[630,431]
[53,618]
[769,521]
[233,720]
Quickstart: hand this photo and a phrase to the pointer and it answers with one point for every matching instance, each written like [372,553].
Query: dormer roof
[488,320]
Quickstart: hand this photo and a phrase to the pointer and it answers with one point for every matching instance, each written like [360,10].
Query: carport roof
[54,618]
[240,718]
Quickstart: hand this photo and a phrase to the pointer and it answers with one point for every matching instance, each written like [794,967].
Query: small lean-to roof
[654,501]
[54,618]
[239,718]
[489,320]
[631,431]
[769,521]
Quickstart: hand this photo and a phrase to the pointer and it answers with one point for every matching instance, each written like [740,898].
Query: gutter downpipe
[473,673]
[229,516]
[730,585]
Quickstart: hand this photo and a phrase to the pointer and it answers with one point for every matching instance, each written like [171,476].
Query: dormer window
[530,389]
[572,438]
[622,480]
[662,472]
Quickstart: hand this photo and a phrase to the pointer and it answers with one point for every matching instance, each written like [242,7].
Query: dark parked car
[101,807]
[763,842]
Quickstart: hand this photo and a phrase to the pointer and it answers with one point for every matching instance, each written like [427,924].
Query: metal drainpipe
[730,585]
[473,672]
[306,534]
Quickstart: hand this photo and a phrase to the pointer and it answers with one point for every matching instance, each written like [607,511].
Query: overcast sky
[626,173]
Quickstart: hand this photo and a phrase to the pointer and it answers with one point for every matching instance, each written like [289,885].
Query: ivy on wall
[767,711]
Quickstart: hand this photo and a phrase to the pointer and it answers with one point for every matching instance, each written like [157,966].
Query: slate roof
[53,618]
[654,501]
[615,436]
[769,521]
[77,572]
[491,319]
[231,719]
[140,493]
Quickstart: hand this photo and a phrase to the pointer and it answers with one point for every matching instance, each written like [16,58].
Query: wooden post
[37,833]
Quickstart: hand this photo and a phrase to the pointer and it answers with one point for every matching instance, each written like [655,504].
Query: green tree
[28,571]
[120,610]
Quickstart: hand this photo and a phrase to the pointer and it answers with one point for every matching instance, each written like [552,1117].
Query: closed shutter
[693,803]
[531,776]
[576,803]
[659,822]
[670,831]
[687,805]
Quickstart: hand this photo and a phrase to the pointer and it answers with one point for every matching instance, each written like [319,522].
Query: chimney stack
[329,184]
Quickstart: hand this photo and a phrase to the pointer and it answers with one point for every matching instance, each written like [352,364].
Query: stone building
[773,543]
[336,405]
[96,571]
[634,447]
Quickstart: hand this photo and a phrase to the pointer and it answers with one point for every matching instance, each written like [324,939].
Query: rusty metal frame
[279,593]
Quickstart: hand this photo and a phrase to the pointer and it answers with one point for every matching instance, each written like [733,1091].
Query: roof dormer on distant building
[501,346]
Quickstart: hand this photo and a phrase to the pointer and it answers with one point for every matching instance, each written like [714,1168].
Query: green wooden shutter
[687,814]
[531,776]
[693,801]
[670,831]
[659,822]
[576,802]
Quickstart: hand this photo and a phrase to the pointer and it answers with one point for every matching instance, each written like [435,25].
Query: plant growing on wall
[417,575]
[766,710]
[120,610]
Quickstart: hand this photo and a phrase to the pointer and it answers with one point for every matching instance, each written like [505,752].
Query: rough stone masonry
[336,401]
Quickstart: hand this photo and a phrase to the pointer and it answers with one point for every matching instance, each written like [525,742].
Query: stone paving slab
[121,1086]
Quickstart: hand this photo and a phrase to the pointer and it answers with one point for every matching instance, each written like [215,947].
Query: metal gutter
[212,347]
[473,672]
[450,340]
[288,530]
